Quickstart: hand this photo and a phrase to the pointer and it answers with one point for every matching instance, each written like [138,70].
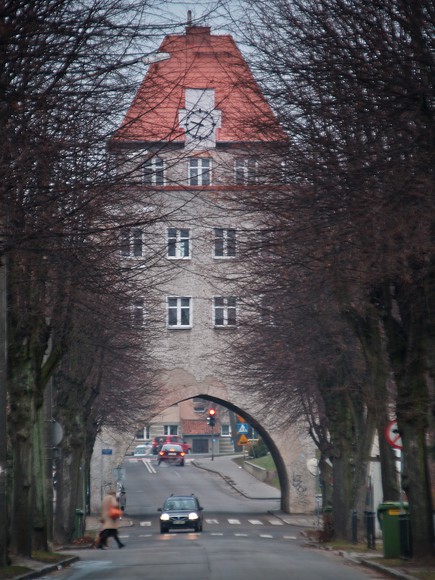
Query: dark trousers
[107,533]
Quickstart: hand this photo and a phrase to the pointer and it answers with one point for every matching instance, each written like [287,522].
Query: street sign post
[392,435]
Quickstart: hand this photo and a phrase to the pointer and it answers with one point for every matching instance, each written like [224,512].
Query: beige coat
[108,501]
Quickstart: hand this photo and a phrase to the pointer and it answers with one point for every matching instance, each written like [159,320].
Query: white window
[131,242]
[224,243]
[179,315]
[170,429]
[154,172]
[245,171]
[143,433]
[225,311]
[225,430]
[178,243]
[199,171]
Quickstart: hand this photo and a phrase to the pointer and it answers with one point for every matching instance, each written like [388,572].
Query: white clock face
[200,124]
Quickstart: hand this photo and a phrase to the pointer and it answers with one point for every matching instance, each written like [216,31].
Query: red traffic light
[212,412]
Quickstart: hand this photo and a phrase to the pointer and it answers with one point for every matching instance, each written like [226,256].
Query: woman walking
[109,521]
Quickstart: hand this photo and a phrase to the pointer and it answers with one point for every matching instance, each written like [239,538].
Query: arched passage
[289,445]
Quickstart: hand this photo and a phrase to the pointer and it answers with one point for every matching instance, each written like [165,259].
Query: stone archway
[290,448]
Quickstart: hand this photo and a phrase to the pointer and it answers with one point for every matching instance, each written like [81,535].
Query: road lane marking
[234,522]
[216,534]
[265,536]
[144,524]
[149,465]
[290,537]
[241,535]
[211,521]
[276,522]
[256,522]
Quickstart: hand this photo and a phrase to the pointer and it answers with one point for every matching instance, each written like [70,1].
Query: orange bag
[114,512]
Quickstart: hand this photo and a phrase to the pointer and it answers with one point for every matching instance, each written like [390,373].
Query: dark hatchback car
[181,511]
[171,453]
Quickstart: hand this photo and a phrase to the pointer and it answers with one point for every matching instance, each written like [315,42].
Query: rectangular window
[245,171]
[154,172]
[199,171]
[143,433]
[179,312]
[131,242]
[224,243]
[225,311]
[178,243]
[225,431]
[137,314]
[170,429]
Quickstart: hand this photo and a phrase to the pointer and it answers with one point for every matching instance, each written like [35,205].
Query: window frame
[137,313]
[178,244]
[227,242]
[154,171]
[202,175]
[168,427]
[131,243]
[245,171]
[226,310]
[179,312]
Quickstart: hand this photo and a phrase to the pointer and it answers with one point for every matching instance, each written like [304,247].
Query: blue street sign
[242,428]
[106,452]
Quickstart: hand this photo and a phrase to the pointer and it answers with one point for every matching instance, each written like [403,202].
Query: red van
[160,440]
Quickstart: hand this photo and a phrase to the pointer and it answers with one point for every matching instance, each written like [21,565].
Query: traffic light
[211,419]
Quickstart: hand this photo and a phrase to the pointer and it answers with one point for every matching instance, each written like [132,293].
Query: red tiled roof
[200,60]
[197,427]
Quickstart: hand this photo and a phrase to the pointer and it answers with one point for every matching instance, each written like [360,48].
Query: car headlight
[193,516]
[164,517]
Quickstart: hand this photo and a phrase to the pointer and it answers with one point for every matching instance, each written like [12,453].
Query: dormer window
[200,119]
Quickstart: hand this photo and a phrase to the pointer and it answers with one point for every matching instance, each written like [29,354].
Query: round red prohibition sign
[392,435]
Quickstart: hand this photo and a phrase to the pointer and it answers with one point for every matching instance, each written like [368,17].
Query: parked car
[171,453]
[181,511]
[160,440]
[142,450]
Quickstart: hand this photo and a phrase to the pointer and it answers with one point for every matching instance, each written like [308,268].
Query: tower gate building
[195,134]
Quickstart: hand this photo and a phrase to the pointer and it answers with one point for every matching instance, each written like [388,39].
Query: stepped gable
[199,60]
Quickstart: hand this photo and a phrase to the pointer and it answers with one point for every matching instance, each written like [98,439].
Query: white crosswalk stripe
[275,522]
[256,522]
[234,522]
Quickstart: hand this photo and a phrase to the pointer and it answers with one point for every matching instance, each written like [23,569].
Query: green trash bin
[78,524]
[389,519]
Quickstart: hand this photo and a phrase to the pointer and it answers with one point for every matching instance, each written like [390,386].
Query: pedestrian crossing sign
[242,428]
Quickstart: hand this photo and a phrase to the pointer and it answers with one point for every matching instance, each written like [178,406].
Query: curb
[228,480]
[384,569]
[47,569]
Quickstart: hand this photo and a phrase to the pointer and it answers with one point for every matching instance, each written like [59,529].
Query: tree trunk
[407,336]
[39,512]
[21,423]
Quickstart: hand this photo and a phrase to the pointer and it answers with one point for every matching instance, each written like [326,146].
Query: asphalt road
[242,539]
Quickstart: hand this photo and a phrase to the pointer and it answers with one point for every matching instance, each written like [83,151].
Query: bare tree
[353,84]
[63,76]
